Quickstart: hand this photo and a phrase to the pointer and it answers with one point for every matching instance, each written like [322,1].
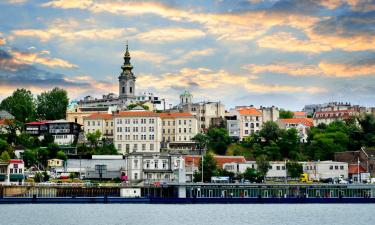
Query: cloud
[68,4]
[17,74]
[16,1]
[148,56]
[191,55]
[356,5]
[208,80]
[2,39]
[88,34]
[40,58]
[169,34]
[323,68]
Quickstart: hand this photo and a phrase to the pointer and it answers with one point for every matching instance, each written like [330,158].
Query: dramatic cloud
[324,68]
[40,58]
[148,56]
[169,34]
[192,55]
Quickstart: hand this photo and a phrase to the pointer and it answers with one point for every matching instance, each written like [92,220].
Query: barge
[191,193]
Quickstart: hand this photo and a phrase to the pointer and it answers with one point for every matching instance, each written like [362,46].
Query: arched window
[123,89]
[130,89]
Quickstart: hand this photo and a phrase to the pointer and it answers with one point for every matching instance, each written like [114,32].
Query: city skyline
[282,53]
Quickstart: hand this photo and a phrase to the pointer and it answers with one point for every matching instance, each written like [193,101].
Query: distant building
[64,132]
[328,117]
[12,171]
[207,113]
[269,113]
[277,169]
[76,113]
[242,122]
[100,122]
[302,125]
[178,129]
[366,158]
[320,170]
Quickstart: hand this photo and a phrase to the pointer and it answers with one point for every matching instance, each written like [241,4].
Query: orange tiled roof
[176,114]
[305,121]
[136,114]
[299,114]
[249,111]
[353,169]
[105,116]
[220,160]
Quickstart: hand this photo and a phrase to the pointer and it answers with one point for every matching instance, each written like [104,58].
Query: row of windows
[256,118]
[61,136]
[135,129]
[179,130]
[15,170]
[251,125]
[336,167]
[136,147]
[136,137]
[136,121]
[156,164]
[180,122]
[185,138]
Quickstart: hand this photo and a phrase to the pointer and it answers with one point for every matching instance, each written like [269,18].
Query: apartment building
[101,122]
[327,117]
[242,122]
[302,125]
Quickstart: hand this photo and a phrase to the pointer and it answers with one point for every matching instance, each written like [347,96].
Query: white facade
[101,122]
[325,169]
[242,122]
[277,169]
[302,125]
[137,131]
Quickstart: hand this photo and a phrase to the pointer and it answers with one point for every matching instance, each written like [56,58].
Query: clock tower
[126,80]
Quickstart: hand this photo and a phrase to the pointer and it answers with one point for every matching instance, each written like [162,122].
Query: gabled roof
[104,116]
[305,121]
[136,114]
[176,114]
[353,169]
[16,161]
[37,122]
[249,111]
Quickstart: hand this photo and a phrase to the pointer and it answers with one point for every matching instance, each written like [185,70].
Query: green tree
[252,175]
[52,150]
[270,132]
[218,140]
[27,141]
[132,106]
[289,143]
[12,127]
[20,104]
[285,114]
[209,169]
[47,139]
[94,138]
[45,176]
[263,166]
[294,169]
[29,157]
[52,105]
[201,141]
[38,177]
[5,156]
[225,173]
[61,155]
[105,149]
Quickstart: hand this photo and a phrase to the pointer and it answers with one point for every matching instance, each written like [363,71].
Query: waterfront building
[302,125]
[208,113]
[100,122]
[178,129]
[277,169]
[133,167]
[327,117]
[64,132]
[365,157]
[320,170]
[242,122]
[137,131]
[12,171]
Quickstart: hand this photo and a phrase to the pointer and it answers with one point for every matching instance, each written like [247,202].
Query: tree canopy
[20,104]
[285,114]
[52,105]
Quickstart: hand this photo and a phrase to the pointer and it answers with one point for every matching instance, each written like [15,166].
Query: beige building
[207,112]
[328,117]
[178,129]
[137,131]
[55,163]
[269,113]
[101,122]
[77,113]
[302,125]
[242,122]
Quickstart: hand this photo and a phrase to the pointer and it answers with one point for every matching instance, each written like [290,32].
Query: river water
[144,214]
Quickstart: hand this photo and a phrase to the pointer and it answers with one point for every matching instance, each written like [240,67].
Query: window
[151,147]
[135,176]
[119,147]
[164,164]
[148,164]
[341,167]
[135,163]
[184,122]
[336,167]
[277,167]
[331,167]
[164,123]
[184,130]
[246,124]
[143,147]
[131,90]
[127,148]
[179,130]
[156,164]
[88,123]
[135,146]
[246,132]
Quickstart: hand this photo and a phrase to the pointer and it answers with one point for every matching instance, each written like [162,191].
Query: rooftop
[136,114]
[305,121]
[105,116]
[175,114]
[249,111]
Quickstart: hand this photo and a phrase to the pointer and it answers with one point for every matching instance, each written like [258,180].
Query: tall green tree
[94,138]
[294,169]
[20,104]
[218,140]
[209,169]
[201,141]
[263,166]
[52,105]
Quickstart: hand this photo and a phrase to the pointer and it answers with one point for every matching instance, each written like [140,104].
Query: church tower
[126,80]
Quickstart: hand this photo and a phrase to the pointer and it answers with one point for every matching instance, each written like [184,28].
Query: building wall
[249,124]
[137,134]
[179,129]
[325,169]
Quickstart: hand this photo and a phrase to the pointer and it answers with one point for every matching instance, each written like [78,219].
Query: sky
[238,52]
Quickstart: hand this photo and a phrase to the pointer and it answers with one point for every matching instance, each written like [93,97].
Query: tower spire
[127,65]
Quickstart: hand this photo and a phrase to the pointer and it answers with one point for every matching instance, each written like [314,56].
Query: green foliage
[21,105]
[94,138]
[209,169]
[61,155]
[47,139]
[12,127]
[4,156]
[263,166]
[27,141]
[252,175]
[45,176]
[225,173]
[285,114]
[132,106]
[218,140]
[294,169]
[38,177]
[52,105]
[201,140]
[29,157]
[52,150]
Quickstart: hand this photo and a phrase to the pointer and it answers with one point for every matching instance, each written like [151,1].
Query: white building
[302,125]
[328,117]
[12,171]
[178,129]
[325,169]
[137,131]
[242,122]
[277,169]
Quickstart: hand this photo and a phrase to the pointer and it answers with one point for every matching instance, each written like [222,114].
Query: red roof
[136,114]
[105,116]
[249,111]
[299,114]
[220,160]
[305,121]
[177,114]
[38,122]
[16,161]
[353,169]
